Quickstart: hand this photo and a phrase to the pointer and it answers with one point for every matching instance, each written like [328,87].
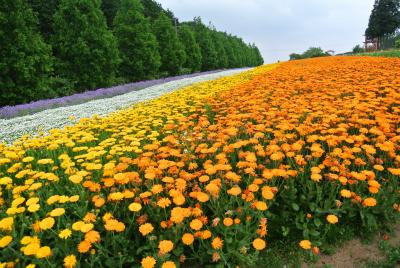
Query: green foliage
[25,60]
[358,49]
[207,46]
[110,8]
[86,51]
[97,43]
[384,19]
[192,48]
[397,43]
[137,44]
[171,49]
[44,11]
[312,52]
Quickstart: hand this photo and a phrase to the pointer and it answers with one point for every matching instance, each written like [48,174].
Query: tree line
[384,20]
[59,47]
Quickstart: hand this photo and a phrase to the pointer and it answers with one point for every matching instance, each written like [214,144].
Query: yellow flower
[235,191]
[57,212]
[332,219]
[86,227]
[259,244]
[6,224]
[305,244]
[43,252]
[31,249]
[165,246]
[70,261]
[187,239]
[77,226]
[135,207]
[345,193]
[146,228]
[75,178]
[64,234]
[148,262]
[5,240]
[46,223]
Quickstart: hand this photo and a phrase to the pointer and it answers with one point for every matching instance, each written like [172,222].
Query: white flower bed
[12,129]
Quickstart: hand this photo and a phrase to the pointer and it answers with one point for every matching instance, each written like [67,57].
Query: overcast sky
[280,27]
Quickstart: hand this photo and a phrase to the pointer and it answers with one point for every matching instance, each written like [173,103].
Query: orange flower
[146,228]
[165,246]
[259,244]
[196,224]
[84,246]
[148,262]
[187,239]
[369,202]
[217,243]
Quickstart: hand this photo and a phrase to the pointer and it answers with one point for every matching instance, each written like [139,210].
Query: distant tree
[219,41]
[192,48]
[152,9]
[137,44]
[358,49]
[25,60]
[171,49]
[44,11]
[384,19]
[295,56]
[397,43]
[208,51]
[314,52]
[259,60]
[86,50]
[109,8]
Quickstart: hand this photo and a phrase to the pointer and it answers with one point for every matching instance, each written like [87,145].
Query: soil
[354,253]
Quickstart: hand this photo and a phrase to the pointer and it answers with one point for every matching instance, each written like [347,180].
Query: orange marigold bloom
[92,236]
[187,239]
[165,246]
[148,262]
[84,246]
[369,202]
[259,244]
[146,228]
[163,202]
[217,243]
[228,222]
[196,224]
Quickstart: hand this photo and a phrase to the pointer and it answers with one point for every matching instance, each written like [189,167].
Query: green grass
[392,256]
[386,53]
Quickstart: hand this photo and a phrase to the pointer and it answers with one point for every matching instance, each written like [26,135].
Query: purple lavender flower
[37,106]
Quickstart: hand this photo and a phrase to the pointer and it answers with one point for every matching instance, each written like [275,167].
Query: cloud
[280,27]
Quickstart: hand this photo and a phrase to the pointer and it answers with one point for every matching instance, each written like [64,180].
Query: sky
[281,27]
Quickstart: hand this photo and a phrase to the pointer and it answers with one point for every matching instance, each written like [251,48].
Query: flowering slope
[212,172]
[14,128]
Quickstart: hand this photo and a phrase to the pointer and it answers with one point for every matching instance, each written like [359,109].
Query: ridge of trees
[55,48]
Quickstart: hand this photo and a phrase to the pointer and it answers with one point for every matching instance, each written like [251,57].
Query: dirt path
[354,253]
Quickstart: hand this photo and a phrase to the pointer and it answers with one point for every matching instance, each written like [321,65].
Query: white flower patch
[14,128]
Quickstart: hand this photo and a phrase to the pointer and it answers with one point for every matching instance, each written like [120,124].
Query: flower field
[11,129]
[213,173]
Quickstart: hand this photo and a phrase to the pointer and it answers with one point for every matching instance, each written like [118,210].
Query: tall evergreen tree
[384,19]
[192,48]
[171,49]
[86,50]
[44,11]
[137,44]
[109,8]
[219,41]
[25,60]
[208,52]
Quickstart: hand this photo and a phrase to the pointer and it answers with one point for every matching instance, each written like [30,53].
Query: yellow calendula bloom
[332,219]
[148,262]
[57,212]
[5,241]
[70,261]
[135,207]
[6,224]
[47,223]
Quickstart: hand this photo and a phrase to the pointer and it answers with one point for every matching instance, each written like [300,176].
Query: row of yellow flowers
[208,174]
